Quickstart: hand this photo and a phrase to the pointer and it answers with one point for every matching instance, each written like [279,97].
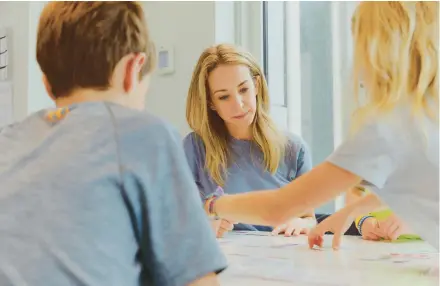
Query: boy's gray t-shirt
[399,156]
[101,197]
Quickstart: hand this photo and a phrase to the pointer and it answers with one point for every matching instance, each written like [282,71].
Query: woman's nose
[239,101]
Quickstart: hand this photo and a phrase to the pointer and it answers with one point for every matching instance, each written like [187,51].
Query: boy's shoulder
[142,124]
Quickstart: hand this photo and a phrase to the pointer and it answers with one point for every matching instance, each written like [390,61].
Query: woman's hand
[224,227]
[338,224]
[295,226]
[219,226]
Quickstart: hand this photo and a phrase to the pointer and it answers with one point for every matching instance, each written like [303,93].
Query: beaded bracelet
[210,201]
[361,221]
[211,210]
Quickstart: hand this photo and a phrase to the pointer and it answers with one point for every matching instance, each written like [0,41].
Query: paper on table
[253,233]
[275,271]
[360,263]
[399,257]
[6,104]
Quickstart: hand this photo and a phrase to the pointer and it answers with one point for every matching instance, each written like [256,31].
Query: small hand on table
[390,228]
[295,227]
[338,224]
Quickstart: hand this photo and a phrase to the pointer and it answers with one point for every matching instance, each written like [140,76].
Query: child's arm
[297,225]
[308,214]
[366,204]
[309,219]
[340,221]
[367,156]
[354,194]
[275,207]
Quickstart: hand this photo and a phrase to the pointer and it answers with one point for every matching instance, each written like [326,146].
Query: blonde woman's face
[233,95]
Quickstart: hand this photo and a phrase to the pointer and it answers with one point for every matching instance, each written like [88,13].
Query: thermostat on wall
[165,60]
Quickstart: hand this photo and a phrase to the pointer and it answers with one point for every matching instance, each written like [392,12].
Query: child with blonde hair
[395,149]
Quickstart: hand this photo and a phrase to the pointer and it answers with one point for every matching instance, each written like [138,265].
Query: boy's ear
[132,71]
[48,88]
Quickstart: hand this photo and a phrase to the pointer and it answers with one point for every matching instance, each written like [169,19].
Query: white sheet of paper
[6,104]
[276,260]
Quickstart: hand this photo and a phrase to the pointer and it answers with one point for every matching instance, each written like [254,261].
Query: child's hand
[392,227]
[295,226]
[370,229]
[338,223]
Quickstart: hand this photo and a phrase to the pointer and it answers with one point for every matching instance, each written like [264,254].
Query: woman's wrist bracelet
[210,202]
[211,210]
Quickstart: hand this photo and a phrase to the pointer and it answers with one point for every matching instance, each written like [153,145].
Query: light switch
[165,60]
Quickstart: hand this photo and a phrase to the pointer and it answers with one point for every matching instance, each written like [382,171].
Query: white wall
[317,81]
[189,27]
[14,16]
[317,85]
[20,20]
[37,96]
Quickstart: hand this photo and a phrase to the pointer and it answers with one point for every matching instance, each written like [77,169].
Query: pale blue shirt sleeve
[367,154]
[195,154]
[298,157]
[303,159]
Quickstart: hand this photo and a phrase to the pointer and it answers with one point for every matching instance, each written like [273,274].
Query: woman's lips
[241,116]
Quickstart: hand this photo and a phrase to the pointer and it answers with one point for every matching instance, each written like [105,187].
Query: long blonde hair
[396,48]
[210,127]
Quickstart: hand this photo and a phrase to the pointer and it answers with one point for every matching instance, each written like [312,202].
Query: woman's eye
[223,97]
[244,90]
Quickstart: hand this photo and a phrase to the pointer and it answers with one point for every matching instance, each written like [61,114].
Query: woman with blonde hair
[235,146]
[395,147]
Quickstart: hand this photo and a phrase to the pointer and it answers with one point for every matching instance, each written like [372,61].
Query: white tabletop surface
[257,258]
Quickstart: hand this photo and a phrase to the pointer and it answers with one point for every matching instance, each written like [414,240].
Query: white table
[261,259]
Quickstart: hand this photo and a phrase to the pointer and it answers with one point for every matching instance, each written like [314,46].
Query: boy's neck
[87,95]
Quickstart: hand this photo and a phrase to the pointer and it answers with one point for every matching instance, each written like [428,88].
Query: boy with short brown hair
[95,192]
[83,45]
